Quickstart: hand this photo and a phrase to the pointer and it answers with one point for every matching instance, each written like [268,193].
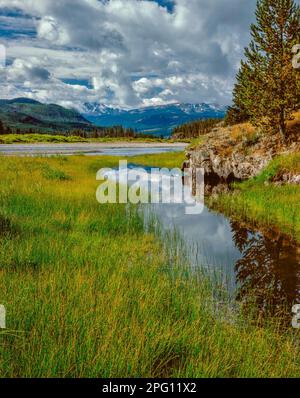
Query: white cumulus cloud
[132,52]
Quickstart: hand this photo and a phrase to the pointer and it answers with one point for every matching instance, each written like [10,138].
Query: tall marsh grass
[89,292]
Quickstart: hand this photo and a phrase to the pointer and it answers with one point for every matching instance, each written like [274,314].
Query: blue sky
[123,53]
[169,4]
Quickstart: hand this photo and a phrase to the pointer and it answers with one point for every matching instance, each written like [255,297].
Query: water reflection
[268,270]
[259,266]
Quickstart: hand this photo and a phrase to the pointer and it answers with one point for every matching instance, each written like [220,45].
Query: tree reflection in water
[269,271]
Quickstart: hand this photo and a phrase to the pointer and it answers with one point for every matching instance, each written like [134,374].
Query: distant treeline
[194,129]
[114,132]
[94,132]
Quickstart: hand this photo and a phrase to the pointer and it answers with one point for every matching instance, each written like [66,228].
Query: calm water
[86,149]
[134,151]
[265,265]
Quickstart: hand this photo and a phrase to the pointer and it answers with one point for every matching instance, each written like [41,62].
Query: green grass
[196,142]
[38,138]
[261,201]
[54,174]
[89,293]
[42,138]
[170,160]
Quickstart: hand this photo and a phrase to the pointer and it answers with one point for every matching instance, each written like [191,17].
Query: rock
[287,178]
[225,160]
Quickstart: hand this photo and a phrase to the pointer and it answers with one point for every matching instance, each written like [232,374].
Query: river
[264,265]
[90,149]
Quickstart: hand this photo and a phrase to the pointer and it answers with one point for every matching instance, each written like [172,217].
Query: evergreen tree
[194,129]
[238,112]
[267,90]
[2,129]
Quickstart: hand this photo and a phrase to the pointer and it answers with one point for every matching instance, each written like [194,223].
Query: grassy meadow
[170,160]
[52,138]
[260,200]
[90,293]
[38,138]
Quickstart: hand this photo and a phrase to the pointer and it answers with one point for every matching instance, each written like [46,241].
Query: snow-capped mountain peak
[157,120]
[94,108]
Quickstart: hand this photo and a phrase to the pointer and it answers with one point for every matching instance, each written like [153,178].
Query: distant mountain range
[156,120]
[26,114]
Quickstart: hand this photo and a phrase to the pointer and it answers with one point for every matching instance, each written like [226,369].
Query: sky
[123,53]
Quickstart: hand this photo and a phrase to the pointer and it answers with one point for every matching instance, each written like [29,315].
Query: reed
[90,292]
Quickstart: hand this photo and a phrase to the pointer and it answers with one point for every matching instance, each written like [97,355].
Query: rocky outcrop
[229,155]
[286,178]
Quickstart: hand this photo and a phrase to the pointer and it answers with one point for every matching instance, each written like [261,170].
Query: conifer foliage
[267,87]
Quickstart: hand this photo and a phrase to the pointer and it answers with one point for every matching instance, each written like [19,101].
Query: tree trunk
[282,125]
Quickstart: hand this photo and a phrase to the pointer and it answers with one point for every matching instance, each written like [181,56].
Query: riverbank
[264,171]
[90,293]
[271,199]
